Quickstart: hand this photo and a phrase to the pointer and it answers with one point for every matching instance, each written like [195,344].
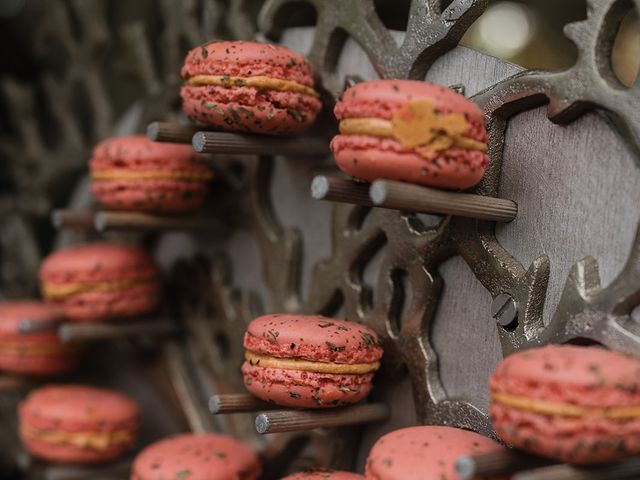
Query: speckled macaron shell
[133,173]
[425,452]
[38,353]
[96,268]
[321,474]
[240,108]
[372,158]
[79,411]
[313,338]
[197,457]
[568,376]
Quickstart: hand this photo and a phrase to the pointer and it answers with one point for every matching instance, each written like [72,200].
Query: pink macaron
[410,131]
[98,281]
[323,474]
[571,403]
[425,452]
[133,173]
[249,87]
[309,361]
[197,457]
[78,424]
[38,352]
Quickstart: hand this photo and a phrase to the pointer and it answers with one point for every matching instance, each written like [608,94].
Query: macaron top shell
[322,474]
[588,376]
[137,152]
[247,59]
[382,98]
[425,452]
[197,457]
[312,337]
[95,262]
[78,408]
[12,313]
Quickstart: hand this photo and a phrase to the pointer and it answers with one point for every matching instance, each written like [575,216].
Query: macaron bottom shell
[299,389]
[172,196]
[249,110]
[92,306]
[371,159]
[64,453]
[37,364]
[568,439]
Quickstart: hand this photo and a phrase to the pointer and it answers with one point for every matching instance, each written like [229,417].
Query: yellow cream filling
[563,409]
[420,126]
[91,440]
[266,361]
[258,82]
[378,127]
[52,291]
[150,175]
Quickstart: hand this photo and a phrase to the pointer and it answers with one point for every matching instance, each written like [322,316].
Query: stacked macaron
[197,457]
[570,403]
[410,131]
[249,87]
[418,453]
[39,352]
[98,281]
[77,424]
[309,361]
[133,173]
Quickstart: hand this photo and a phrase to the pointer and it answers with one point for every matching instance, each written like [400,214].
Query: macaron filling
[60,291]
[151,175]
[258,82]
[420,126]
[266,361]
[91,440]
[564,409]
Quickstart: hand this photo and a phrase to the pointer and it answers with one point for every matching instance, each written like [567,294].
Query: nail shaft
[624,470]
[28,325]
[297,420]
[9,383]
[77,219]
[144,221]
[71,332]
[338,189]
[172,132]
[414,198]
[236,143]
[236,403]
[498,463]
[102,221]
[64,472]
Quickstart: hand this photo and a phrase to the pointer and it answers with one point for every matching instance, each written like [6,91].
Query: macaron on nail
[410,131]
[77,424]
[249,87]
[322,474]
[133,173]
[34,353]
[309,361]
[197,457]
[98,281]
[425,452]
[570,403]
